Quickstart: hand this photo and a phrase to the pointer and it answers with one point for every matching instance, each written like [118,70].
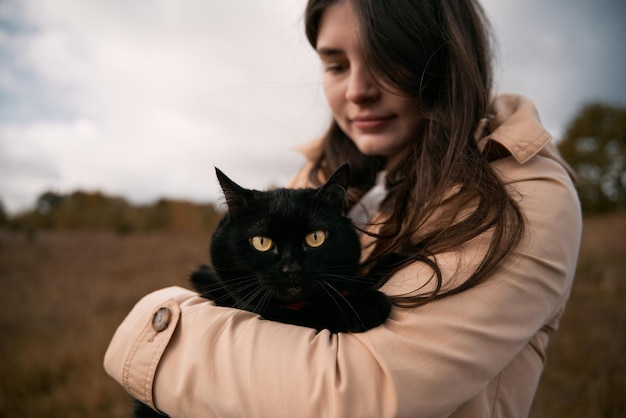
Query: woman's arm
[427,361]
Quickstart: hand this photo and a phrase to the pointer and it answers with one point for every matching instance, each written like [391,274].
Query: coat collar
[513,122]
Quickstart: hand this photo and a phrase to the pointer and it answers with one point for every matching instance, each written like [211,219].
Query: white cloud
[154,94]
[561,54]
[143,97]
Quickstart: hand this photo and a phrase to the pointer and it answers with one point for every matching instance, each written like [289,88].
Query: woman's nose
[362,86]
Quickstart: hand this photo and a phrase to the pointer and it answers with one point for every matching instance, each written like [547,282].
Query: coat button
[161,319]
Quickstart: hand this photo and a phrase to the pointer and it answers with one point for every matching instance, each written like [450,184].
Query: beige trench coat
[475,354]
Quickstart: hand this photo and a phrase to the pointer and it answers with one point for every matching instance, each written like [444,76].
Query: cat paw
[203,280]
[371,309]
[206,282]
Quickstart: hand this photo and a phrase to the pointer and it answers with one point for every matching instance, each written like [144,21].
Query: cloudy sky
[141,98]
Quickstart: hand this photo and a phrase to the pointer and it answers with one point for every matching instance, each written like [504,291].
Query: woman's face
[379,121]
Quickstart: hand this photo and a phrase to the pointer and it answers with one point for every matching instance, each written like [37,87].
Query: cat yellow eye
[261,243]
[315,239]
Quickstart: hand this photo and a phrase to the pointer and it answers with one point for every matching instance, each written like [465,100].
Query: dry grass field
[62,295]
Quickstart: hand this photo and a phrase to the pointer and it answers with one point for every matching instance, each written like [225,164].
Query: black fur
[294,283]
[142,410]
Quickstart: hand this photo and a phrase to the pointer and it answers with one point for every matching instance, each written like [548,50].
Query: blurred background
[142,98]
[114,113]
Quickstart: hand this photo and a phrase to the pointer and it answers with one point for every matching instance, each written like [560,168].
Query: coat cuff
[140,341]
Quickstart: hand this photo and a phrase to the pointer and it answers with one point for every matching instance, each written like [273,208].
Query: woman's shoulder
[301,179]
[311,151]
[515,126]
[513,122]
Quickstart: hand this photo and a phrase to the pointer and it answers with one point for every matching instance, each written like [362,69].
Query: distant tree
[49,201]
[4,218]
[94,210]
[595,145]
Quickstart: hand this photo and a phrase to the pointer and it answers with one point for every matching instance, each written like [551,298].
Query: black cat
[291,256]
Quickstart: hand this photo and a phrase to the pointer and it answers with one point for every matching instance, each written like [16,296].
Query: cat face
[283,245]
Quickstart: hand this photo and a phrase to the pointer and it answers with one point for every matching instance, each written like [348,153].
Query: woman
[472,191]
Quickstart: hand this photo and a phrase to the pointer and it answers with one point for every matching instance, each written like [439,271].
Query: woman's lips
[370,122]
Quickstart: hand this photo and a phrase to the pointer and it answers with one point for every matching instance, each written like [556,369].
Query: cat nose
[291,268]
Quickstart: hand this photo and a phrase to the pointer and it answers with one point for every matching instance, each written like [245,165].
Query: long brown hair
[439,52]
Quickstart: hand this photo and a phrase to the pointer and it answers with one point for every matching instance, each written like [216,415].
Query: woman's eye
[315,239]
[334,68]
[261,243]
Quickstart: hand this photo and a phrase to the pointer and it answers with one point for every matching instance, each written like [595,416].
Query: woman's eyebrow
[328,52]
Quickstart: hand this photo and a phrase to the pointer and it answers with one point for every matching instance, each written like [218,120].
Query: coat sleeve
[423,362]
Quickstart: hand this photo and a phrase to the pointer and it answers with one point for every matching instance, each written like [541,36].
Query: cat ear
[338,182]
[235,195]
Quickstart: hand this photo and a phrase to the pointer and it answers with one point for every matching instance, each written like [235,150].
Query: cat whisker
[351,279]
[336,300]
[248,291]
[262,302]
[221,299]
[213,286]
[238,279]
[333,268]
[220,284]
[247,300]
